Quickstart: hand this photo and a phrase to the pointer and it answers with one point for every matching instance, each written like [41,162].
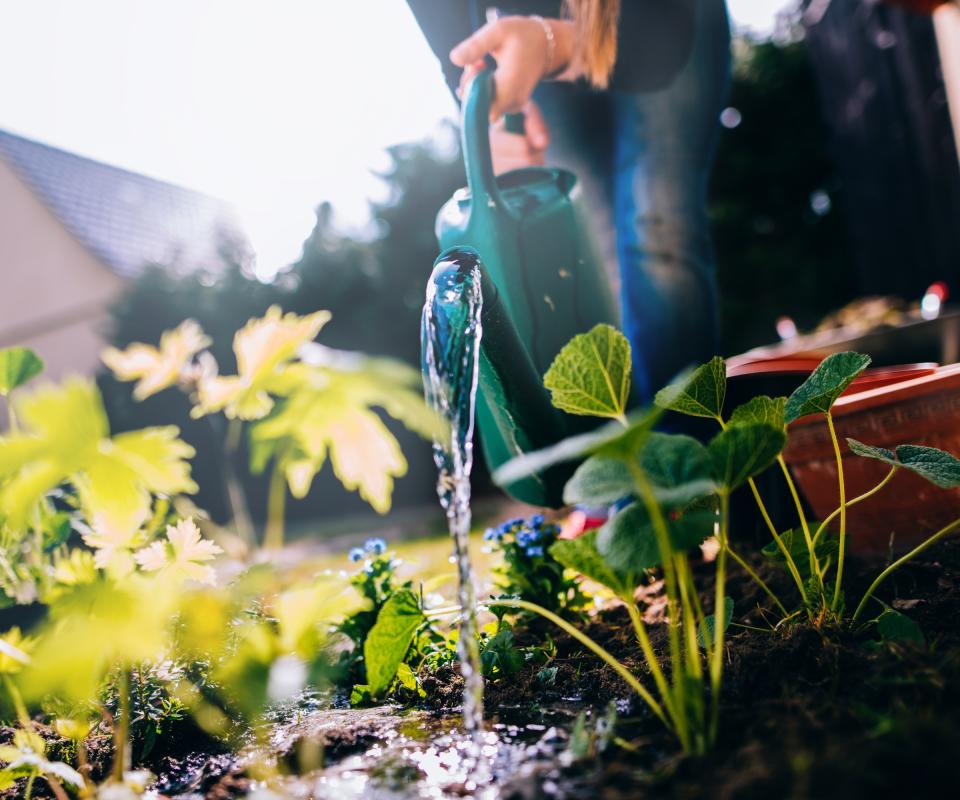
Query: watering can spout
[542,281]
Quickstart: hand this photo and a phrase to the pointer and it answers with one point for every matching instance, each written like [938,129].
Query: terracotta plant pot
[923,410]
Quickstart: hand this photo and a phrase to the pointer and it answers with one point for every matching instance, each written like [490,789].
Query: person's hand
[518,150]
[523,54]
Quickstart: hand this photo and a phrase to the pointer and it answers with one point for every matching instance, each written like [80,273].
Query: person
[627,94]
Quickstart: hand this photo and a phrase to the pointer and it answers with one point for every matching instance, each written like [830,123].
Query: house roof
[126,219]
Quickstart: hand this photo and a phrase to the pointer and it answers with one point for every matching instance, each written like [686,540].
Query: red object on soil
[923,410]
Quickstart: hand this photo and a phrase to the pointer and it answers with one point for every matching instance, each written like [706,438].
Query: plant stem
[814,563]
[236,497]
[843,512]
[756,578]
[122,728]
[648,653]
[17,699]
[791,564]
[29,792]
[903,560]
[850,503]
[662,536]
[719,612]
[586,641]
[685,581]
[276,507]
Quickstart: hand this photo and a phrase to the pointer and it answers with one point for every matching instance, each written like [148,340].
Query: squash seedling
[677,493]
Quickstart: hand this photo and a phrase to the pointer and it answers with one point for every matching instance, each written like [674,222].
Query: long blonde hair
[596,26]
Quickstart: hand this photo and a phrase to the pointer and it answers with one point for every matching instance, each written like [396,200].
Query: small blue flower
[492,535]
[534,550]
[356,554]
[527,537]
[513,524]
[375,546]
[536,520]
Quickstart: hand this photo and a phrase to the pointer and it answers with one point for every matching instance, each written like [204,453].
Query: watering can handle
[475,132]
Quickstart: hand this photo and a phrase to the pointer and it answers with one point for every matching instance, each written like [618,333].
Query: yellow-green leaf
[390,638]
[591,374]
[698,394]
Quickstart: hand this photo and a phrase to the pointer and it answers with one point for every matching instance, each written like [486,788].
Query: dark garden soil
[806,712]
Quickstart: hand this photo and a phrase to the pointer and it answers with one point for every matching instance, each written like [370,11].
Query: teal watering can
[542,282]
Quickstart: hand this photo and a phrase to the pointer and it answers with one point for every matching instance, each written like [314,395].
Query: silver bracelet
[551,43]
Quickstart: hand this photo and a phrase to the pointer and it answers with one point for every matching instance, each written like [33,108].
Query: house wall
[54,294]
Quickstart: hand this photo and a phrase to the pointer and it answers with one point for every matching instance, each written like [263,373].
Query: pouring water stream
[450,340]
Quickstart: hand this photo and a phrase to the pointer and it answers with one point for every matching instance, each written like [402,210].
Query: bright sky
[275,106]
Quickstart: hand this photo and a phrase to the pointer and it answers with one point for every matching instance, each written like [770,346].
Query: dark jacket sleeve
[654,37]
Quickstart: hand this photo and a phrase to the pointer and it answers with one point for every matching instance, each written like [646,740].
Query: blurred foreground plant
[306,403]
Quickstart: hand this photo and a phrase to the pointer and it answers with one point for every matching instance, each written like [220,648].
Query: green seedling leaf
[869,451]
[628,543]
[740,453]
[760,410]
[818,393]
[708,629]
[796,545]
[360,695]
[581,555]
[937,466]
[500,656]
[17,366]
[547,676]
[896,627]
[598,482]
[699,394]
[613,440]
[678,467]
[408,680]
[591,375]
[390,638]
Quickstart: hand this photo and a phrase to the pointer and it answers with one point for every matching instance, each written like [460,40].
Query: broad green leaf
[699,394]
[500,656]
[581,555]
[708,629]
[360,695]
[599,481]
[628,544]
[390,638]
[818,393]
[591,375]
[679,468]
[760,410]
[17,366]
[613,440]
[740,453]
[869,451]
[896,627]
[937,466]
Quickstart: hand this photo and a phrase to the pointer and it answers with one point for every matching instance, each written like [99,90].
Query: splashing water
[450,340]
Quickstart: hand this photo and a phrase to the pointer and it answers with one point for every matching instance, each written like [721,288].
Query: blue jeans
[644,162]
